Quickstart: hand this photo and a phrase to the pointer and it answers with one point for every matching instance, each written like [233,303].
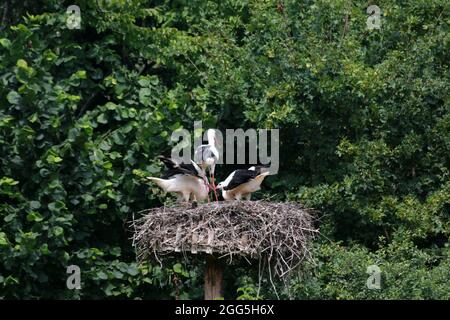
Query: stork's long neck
[204,183]
[211,137]
[205,187]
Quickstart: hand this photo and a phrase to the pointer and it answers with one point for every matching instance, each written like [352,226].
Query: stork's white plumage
[207,156]
[242,183]
[186,180]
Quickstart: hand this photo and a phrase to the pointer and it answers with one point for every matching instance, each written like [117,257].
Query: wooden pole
[213,278]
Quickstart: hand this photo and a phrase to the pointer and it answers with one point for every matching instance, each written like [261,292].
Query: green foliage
[406,273]
[248,289]
[363,116]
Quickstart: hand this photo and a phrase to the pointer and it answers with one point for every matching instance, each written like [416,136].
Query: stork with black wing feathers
[242,183]
[187,180]
[207,156]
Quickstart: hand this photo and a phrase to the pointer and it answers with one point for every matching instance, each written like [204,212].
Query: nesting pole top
[278,232]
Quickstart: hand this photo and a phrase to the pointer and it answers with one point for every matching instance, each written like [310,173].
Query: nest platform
[278,233]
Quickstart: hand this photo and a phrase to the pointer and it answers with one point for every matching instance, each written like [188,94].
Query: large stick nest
[280,233]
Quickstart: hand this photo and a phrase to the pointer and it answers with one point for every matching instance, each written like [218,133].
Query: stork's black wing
[241,176]
[174,168]
[189,169]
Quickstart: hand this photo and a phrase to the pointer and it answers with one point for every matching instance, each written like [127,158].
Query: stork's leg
[186,196]
[194,200]
[214,187]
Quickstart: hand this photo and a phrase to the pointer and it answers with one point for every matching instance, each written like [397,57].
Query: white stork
[187,180]
[242,183]
[207,156]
